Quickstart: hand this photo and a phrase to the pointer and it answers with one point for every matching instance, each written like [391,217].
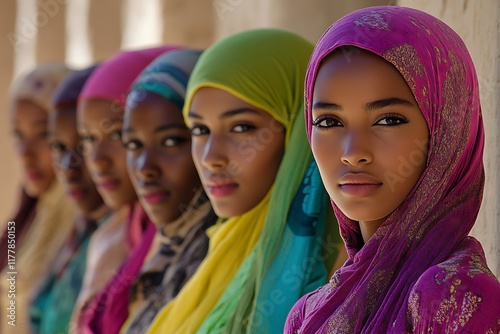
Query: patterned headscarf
[167,76]
[372,291]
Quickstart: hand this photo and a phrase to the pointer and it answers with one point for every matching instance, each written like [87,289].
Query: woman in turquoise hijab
[269,247]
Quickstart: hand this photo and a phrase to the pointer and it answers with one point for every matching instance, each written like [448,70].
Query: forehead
[92,113]
[64,119]
[360,72]
[27,111]
[149,109]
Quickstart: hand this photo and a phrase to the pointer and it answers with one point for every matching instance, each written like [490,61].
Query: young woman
[51,310]
[394,121]
[100,117]
[45,216]
[164,176]
[243,106]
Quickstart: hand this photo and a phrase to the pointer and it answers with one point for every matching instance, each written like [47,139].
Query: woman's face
[68,161]
[100,125]
[237,149]
[369,136]
[159,158]
[29,124]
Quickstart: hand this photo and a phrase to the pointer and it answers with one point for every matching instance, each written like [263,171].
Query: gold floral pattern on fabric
[412,314]
[376,19]
[477,266]
[450,269]
[406,60]
[469,307]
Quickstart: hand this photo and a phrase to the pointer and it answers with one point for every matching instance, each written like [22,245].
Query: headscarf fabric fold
[264,68]
[416,255]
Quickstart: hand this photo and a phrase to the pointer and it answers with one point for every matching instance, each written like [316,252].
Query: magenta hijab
[113,79]
[371,292]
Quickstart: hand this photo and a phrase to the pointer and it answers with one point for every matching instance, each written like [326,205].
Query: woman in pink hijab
[100,117]
[394,122]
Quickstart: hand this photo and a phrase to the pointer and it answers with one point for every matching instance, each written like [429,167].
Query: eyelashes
[386,120]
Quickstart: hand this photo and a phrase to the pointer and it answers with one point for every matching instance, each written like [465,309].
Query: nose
[213,157]
[144,166]
[26,151]
[356,150]
[97,157]
[69,163]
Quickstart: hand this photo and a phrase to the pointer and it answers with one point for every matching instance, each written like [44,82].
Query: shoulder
[304,307]
[459,294]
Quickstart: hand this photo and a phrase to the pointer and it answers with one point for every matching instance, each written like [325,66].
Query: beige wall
[200,22]
[308,18]
[478,23]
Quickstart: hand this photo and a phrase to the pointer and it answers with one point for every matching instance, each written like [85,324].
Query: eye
[173,141]
[17,134]
[57,146]
[89,138]
[326,122]
[43,135]
[199,130]
[116,135]
[392,120]
[240,128]
[132,145]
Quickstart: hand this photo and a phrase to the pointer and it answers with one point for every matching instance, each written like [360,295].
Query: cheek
[196,154]
[119,159]
[327,156]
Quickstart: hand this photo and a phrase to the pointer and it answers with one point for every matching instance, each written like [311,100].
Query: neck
[369,228]
[97,213]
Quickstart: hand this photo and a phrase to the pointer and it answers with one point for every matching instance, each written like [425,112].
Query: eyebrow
[226,114]
[160,128]
[374,105]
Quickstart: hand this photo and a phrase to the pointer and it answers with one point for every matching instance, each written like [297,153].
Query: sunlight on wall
[78,48]
[27,22]
[144,23]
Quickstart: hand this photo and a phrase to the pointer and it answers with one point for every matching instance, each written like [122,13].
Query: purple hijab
[420,271]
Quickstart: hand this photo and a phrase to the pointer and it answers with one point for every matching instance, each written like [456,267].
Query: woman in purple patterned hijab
[394,121]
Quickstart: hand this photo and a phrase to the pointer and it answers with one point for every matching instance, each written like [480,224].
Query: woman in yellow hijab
[244,106]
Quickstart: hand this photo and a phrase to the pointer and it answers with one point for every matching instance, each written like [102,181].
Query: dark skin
[69,163]
[29,127]
[233,143]
[159,157]
[100,126]
[369,137]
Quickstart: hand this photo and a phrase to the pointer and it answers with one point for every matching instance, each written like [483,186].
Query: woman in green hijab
[244,106]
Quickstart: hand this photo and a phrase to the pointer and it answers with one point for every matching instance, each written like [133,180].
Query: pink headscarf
[113,78]
[371,292]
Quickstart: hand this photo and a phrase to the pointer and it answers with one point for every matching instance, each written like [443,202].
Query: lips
[359,184]
[34,175]
[76,193]
[107,184]
[220,186]
[155,197]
